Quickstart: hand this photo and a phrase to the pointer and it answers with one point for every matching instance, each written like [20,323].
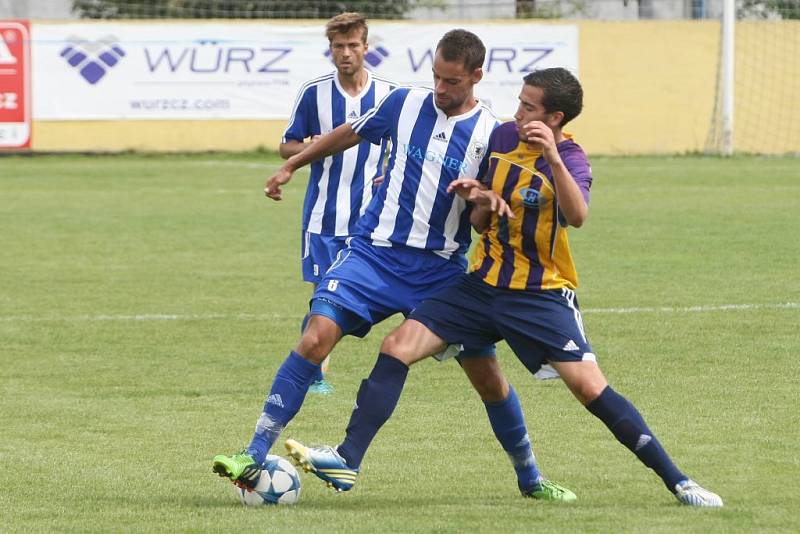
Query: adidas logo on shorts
[571,346]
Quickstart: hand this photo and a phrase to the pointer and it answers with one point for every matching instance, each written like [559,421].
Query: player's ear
[477,75]
[555,118]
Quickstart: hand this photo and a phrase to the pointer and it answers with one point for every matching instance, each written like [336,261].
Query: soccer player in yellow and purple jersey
[522,285]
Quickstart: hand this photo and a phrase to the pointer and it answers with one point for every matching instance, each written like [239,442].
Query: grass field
[146,302]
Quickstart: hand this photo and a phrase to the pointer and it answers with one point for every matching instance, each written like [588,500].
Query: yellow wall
[649,86]
[649,89]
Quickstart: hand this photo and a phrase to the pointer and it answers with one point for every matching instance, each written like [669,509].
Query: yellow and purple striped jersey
[532,250]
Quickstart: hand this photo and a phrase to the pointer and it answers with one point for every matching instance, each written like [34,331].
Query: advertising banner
[168,70]
[15,102]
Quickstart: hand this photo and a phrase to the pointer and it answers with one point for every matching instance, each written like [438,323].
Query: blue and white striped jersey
[429,150]
[340,186]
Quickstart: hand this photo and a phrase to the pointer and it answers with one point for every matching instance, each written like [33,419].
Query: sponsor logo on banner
[15,115]
[92,59]
[229,70]
[206,56]
[503,59]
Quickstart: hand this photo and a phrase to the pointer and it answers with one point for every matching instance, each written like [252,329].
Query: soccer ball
[279,483]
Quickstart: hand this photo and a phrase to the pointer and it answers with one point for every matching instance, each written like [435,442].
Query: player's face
[531,109]
[347,50]
[452,84]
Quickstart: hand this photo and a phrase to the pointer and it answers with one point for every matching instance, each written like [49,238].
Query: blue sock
[283,402]
[627,425]
[375,402]
[508,424]
[319,376]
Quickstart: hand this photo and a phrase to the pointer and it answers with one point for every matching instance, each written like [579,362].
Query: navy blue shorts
[537,325]
[318,254]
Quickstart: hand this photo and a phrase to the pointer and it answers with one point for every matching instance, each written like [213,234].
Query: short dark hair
[464,46]
[562,91]
[344,23]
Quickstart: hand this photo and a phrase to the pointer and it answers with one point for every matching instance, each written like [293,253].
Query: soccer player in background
[340,186]
[521,289]
[409,244]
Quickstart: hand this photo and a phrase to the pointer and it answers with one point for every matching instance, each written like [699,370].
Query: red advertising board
[15,84]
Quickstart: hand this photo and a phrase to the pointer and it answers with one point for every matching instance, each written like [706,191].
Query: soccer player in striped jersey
[340,186]
[521,288]
[409,244]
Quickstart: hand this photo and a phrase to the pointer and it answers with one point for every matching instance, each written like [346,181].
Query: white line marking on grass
[698,309]
[151,317]
[226,163]
[273,316]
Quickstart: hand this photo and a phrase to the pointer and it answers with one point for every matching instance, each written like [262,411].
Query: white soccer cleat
[691,493]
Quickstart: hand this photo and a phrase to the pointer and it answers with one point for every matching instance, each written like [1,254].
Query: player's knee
[393,344]
[315,345]
[588,391]
[492,390]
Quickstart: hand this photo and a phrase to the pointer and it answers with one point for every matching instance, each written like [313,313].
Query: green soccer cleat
[240,468]
[321,387]
[547,490]
[325,463]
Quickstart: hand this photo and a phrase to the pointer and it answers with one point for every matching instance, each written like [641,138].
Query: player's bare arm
[293,146]
[485,201]
[570,199]
[334,142]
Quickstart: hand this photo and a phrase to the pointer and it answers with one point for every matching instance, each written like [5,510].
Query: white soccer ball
[279,483]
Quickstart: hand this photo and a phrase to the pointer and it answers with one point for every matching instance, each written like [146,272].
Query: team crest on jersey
[476,149]
[532,198]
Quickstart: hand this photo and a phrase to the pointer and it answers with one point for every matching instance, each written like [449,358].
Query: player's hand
[378,180]
[473,191]
[463,187]
[495,203]
[273,188]
[539,135]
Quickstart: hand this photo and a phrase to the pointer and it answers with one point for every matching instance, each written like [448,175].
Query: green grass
[146,302]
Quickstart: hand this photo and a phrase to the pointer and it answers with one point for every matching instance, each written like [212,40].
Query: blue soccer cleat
[325,463]
[321,387]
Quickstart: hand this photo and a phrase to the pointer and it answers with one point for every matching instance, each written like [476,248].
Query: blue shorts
[537,325]
[367,284]
[318,253]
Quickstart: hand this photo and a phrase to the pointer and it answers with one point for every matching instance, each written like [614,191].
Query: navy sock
[627,425]
[283,402]
[508,424]
[319,376]
[375,402]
